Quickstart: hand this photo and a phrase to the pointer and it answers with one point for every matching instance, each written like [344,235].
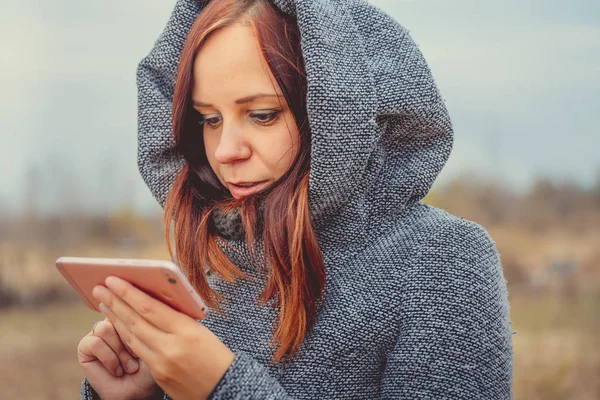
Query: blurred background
[521,80]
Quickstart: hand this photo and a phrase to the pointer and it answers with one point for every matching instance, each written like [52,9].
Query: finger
[96,347]
[107,332]
[141,325]
[94,331]
[155,311]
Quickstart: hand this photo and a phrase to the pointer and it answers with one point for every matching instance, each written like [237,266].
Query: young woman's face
[249,132]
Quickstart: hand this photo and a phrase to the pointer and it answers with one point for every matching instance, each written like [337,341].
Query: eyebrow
[243,100]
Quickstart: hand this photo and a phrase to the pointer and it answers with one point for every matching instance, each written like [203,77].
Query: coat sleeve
[246,378]
[157,160]
[87,392]
[454,339]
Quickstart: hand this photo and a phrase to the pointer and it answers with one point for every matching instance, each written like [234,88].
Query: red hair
[292,256]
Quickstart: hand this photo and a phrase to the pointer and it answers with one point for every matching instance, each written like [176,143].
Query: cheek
[281,151]
[210,145]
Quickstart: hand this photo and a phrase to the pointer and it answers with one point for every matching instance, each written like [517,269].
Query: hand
[185,358]
[104,357]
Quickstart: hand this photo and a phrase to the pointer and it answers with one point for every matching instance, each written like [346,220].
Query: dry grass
[38,358]
[556,346]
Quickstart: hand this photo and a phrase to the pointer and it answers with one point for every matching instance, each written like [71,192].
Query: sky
[521,80]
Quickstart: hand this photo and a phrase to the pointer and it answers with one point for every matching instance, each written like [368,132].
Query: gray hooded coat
[416,304]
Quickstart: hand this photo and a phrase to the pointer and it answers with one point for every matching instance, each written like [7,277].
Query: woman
[329,277]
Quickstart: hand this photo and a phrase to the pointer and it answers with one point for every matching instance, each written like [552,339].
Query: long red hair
[292,258]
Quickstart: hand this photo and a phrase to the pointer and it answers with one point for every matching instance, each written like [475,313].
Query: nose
[232,145]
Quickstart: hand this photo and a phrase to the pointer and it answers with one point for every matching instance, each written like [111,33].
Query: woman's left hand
[185,358]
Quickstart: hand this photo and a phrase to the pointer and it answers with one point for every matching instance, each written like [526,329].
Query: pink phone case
[161,279]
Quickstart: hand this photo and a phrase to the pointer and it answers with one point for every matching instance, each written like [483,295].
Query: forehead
[230,64]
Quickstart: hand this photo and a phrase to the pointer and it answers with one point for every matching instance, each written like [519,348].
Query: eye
[265,118]
[212,121]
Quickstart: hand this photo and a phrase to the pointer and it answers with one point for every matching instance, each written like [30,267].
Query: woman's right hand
[105,360]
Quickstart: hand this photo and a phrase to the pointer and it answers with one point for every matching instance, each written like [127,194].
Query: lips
[238,191]
[245,184]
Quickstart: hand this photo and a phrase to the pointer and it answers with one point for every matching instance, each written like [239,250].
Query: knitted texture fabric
[228,225]
[416,304]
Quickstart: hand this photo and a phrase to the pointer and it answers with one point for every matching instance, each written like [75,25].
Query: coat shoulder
[426,232]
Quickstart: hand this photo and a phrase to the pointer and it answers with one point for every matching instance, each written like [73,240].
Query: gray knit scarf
[228,225]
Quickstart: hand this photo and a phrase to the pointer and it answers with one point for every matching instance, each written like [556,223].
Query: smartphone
[161,279]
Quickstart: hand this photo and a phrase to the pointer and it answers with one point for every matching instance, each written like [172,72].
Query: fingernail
[119,371]
[131,365]
[97,292]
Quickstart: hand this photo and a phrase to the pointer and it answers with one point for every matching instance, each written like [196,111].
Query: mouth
[242,189]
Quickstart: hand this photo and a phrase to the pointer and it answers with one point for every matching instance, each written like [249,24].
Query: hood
[380,130]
